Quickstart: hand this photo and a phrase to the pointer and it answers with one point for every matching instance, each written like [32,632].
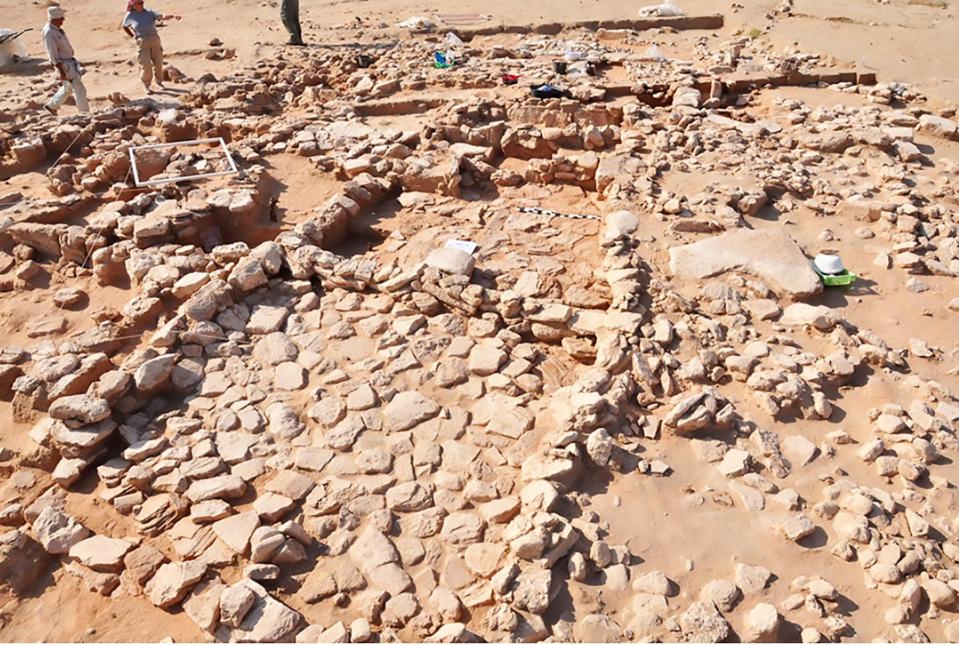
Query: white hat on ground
[829,264]
[55,13]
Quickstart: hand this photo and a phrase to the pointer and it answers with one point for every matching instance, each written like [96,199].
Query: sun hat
[829,264]
[55,13]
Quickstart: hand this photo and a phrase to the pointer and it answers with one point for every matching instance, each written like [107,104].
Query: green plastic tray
[843,279]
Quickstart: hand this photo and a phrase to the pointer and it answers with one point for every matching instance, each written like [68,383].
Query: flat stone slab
[769,254]
[46,326]
[267,621]
[452,261]
[101,553]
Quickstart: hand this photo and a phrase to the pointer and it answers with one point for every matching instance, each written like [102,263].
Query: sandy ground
[905,41]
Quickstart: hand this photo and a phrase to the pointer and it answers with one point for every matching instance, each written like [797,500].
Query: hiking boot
[296,42]
[51,110]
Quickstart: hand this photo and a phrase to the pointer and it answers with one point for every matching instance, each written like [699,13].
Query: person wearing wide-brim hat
[64,61]
[141,25]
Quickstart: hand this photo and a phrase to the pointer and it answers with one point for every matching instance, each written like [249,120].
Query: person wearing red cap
[140,24]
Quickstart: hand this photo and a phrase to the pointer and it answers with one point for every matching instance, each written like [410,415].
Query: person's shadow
[25,67]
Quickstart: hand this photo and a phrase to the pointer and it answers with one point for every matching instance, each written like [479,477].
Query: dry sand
[694,525]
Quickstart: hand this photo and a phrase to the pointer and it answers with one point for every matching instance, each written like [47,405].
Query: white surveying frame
[155,182]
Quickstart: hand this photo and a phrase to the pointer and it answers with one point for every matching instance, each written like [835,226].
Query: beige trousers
[73,84]
[150,59]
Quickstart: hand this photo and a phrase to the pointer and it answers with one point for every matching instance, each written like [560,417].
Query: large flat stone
[407,409]
[57,532]
[101,553]
[452,261]
[236,530]
[172,581]
[267,621]
[769,254]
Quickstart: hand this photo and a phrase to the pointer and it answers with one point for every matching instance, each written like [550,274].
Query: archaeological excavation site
[582,331]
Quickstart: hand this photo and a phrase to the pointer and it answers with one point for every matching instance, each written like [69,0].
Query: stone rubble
[317,445]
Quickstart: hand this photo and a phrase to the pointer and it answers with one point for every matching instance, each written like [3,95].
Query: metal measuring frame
[156,182]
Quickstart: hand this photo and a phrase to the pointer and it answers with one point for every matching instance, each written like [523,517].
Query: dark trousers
[290,14]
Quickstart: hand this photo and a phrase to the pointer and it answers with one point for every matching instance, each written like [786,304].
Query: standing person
[61,55]
[140,24]
[290,13]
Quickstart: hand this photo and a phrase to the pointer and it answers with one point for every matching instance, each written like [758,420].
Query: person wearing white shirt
[64,61]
